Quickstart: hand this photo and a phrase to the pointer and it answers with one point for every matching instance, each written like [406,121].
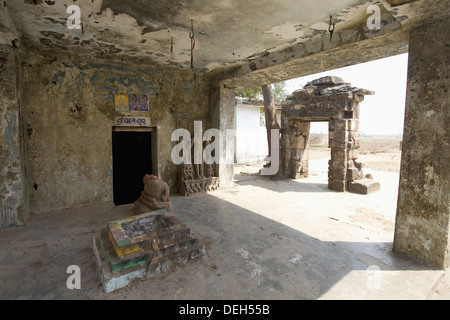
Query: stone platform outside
[143,246]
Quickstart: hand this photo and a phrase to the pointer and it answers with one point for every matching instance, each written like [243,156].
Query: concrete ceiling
[227,32]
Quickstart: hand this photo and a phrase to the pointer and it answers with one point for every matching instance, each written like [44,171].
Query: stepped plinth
[143,246]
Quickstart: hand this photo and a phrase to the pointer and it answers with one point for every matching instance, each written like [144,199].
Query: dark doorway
[132,159]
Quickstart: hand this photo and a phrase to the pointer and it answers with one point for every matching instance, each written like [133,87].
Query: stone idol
[142,247]
[155,195]
[147,244]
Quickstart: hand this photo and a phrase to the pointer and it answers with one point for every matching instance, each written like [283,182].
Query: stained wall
[68,114]
[13,202]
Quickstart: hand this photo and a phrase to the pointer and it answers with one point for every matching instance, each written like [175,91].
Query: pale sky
[382,113]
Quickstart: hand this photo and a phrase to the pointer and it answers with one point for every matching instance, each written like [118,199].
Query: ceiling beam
[395,3]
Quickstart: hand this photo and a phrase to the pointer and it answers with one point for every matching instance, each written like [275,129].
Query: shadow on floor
[248,257]
[284,185]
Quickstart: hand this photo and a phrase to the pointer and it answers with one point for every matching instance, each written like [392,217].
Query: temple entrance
[326,99]
[132,159]
[319,153]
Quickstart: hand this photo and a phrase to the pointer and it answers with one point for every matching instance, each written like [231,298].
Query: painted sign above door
[129,121]
[131,102]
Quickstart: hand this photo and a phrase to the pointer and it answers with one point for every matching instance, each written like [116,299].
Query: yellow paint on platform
[121,251]
[123,244]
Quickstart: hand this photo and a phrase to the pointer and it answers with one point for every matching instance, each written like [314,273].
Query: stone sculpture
[197,178]
[155,195]
[142,247]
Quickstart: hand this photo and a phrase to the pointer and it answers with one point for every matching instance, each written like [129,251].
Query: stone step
[177,256]
[113,280]
[363,186]
[137,233]
[175,259]
[123,262]
[170,248]
[142,256]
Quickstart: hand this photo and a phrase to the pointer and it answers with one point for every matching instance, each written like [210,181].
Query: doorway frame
[154,139]
[154,146]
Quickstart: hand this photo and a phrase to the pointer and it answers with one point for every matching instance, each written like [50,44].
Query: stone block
[358,164]
[297,142]
[353,153]
[117,279]
[338,185]
[330,139]
[353,125]
[354,174]
[304,94]
[141,247]
[340,125]
[304,127]
[285,141]
[121,263]
[340,134]
[339,155]
[335,164]
[356,110]
[307,139]
[350,144]
[338,174]
[137,233]
[363,186]
[327,80]
[344,95]
[339,143]
[354,135]
[348,105]
[113,280]
[298,154]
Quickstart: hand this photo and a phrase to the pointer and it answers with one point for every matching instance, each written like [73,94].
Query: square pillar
[223,117]
[295,148]
[422,221]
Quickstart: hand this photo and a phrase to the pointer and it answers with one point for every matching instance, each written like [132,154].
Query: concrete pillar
[13,200]
[422,221]
[222,115]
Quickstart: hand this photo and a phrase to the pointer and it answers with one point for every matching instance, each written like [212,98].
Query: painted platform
[143,246]
[139,232]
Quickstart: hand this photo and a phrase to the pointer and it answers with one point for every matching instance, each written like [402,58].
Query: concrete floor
[265,239]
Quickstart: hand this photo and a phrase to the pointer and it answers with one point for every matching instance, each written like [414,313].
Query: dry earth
[377,153]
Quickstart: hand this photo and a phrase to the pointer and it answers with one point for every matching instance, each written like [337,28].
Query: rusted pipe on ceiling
[192,36]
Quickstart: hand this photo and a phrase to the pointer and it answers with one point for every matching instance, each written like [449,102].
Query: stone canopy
[328,87]
[325,99]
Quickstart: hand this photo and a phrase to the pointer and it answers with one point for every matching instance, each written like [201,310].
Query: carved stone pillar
[325,99]
[197,178]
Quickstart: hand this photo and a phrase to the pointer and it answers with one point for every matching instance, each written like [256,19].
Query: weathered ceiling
[227,32]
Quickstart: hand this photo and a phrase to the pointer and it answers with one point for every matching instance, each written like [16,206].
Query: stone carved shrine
[197,178]
[155,195]
[325,99]
[147,244]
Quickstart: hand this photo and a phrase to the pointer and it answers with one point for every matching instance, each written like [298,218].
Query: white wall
[251,137]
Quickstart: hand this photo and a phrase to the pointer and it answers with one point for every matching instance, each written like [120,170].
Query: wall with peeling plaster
[13,204]
[68,106]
